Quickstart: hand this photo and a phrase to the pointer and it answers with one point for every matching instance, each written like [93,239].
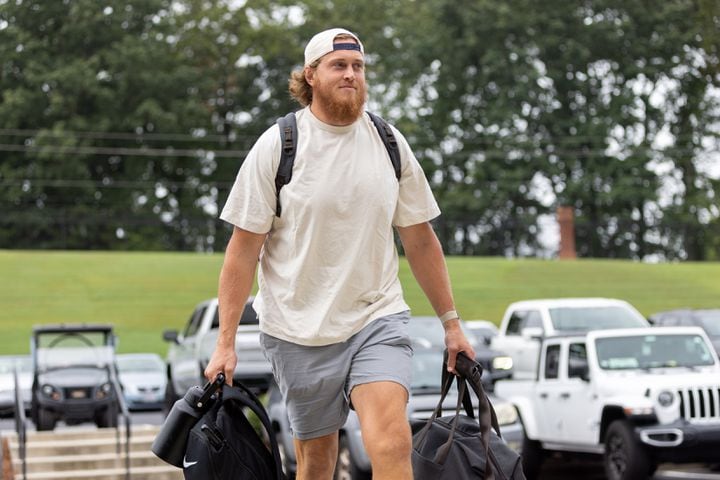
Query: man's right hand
[223,360]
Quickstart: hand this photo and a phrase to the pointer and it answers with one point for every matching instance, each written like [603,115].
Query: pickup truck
[639,397]
[524,322]
[190,351]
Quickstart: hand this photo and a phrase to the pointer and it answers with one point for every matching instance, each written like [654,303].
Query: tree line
[123,124]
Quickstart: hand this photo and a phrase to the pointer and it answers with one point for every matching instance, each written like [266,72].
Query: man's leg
[316,457]
[381,408]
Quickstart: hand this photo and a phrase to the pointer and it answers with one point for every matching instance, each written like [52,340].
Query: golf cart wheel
[45,420]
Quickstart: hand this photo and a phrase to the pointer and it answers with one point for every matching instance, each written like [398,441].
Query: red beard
[342,108]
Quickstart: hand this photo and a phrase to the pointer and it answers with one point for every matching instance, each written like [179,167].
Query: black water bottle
[171,440]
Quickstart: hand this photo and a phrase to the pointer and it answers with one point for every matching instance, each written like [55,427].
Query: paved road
[553,469]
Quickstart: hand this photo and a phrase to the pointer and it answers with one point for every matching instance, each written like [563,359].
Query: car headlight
[103,391]
[502,363]
[51,392]
[665,398]
[506,413]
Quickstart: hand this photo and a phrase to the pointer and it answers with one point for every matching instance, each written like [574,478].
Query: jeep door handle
[565,395]
[543,395]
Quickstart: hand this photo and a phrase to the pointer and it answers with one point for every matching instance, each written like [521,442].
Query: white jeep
[639,397]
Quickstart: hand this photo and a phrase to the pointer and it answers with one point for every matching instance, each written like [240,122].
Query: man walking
[331,308]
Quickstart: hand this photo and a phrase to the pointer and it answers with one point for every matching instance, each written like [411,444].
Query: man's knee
[392,443]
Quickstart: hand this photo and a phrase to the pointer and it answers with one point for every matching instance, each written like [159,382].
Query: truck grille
[700,404]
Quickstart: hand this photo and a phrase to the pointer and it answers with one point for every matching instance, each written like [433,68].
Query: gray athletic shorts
[316,381]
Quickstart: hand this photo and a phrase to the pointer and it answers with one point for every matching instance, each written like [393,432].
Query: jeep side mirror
[170,336]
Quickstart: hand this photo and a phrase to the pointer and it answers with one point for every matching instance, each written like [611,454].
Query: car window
[552,361]
[577,360]
[248,317]
[523,319]
[594,318]
[194,322]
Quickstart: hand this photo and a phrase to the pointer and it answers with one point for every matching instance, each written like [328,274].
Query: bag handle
[242,394]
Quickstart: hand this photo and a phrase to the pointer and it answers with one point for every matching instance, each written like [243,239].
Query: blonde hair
[298,86]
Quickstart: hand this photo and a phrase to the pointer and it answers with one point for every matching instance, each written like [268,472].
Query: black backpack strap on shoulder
[388,138]
[288,148]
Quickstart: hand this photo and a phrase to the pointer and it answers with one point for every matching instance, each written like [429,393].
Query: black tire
[532,457]
[107,418]
[625,458]
[346,468]
[170,397]
[45,420]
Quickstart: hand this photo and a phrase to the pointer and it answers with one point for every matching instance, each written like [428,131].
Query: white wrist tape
[450,315]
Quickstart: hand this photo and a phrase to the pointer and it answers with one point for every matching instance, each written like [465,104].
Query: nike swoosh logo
[187,464]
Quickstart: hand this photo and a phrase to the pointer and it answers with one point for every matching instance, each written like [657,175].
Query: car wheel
[532,456]
[170,397]
[45,420]
[107,418]
[283,458]
[346,468]
[624,458]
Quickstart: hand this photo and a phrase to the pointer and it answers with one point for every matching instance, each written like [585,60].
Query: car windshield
[140,364]
[66,349]
[652,351]
[710,321]
[583,319]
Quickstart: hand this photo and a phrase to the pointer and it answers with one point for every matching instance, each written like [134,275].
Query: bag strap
[469,371]
[388,138]
[241,394]
[288,139]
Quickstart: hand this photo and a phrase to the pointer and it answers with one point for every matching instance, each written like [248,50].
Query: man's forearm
[236,281]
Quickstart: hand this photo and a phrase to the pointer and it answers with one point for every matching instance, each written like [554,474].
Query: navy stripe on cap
[346,46]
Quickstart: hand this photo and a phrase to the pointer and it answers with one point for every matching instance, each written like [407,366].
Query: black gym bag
[208,435]
[460,446]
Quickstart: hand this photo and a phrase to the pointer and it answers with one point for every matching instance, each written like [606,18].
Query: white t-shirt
[329,265]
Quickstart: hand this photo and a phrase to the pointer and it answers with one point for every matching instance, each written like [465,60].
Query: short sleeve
[251,203]
[416,203]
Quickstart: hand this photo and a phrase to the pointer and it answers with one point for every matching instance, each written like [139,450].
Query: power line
[139,152]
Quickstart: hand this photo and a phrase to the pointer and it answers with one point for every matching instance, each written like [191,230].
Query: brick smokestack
[566,221]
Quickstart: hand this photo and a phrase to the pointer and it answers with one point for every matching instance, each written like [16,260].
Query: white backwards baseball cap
[324,42]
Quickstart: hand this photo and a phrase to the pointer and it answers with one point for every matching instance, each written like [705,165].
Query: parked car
[484,330]
[8,365]
[639,397]
[707,319]
[73,375]
[143,380]
[353,462]
[428,332]
[190,351]
[525,322]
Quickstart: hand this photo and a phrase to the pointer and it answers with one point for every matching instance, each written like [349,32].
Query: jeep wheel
[624,458]
[346,468]
[532,456]
[45,420]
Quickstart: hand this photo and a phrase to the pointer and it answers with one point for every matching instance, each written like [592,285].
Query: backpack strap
[388,138]
[288,139]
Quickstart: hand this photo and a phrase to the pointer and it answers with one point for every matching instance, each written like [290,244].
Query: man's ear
[309,75]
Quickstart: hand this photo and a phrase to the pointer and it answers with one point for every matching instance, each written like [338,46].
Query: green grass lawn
[144,293]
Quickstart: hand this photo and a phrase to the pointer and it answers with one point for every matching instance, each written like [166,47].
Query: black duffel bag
[208,435]
[461,446]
